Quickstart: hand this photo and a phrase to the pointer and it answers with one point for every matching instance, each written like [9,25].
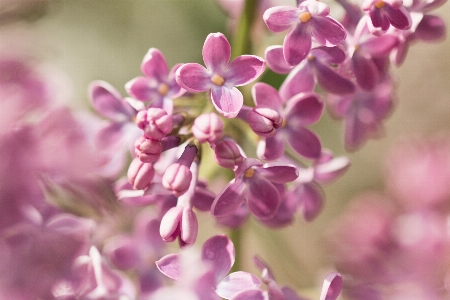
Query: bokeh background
[88,40]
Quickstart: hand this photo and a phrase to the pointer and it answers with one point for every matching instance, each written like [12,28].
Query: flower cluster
[88,205]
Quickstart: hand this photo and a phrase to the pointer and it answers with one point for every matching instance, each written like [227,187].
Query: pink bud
[208,128]
[177,179]
[179,222]
[159,123]
[141,119]
[264,121]
[147,150]
[140,174]
[227,154]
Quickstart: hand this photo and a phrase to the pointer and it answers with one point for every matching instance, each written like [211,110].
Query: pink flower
[219,76]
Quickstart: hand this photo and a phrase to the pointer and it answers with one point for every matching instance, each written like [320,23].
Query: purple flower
[254,185]
[219,76]
[316,68]
[218,255]
[307,193]
[385,13]
[310,18]
[364,51]
[158,85]
[363,113]
[297,111]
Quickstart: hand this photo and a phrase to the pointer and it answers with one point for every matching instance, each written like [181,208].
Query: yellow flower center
[249,173]
[311,57]
[163,89]
[380,4]
[218,80]
[305,16]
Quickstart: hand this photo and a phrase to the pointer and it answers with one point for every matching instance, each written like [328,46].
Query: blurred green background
[107,39]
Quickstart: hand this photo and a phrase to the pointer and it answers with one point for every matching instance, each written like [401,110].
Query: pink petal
[330,55]
[216,52]
[281,18]
[365,70]
[170,223]
[331,81]
[304,109]
[219,252]
[327,31]
[265,95]
[194,78]
[236,283]
[252,295]
[311,201]
[175,90]
[203,199]
[332,286]
[431,28]
[332,169]
[399,18]
[263,198]
[271,148]
[379,46]
[229,200]
[140,89]
[300,80]
[279,172]
[227,101]
[276,61]
[304,142]
[154,65]
[108,102]
[297,44]
[244,69]
[170,266]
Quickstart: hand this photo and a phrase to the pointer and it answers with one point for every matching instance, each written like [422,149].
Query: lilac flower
[297,111]
[253,184]
[365,50]
[383,14]
[219,76]
[363,113]
[120,131]
[218,255]
[310,18]
[93,279]
[158,85]
[307,193]
[331,287]
[40,248]
[316,68]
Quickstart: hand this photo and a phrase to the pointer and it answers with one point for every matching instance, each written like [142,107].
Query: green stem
[242,43]
[236,237]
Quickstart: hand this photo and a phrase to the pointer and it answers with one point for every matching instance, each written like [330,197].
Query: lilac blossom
[220,76]
[253,184]
[316,68]
[383,14]
[208,128]
[364,51]
[296,110]
[307,193]
[331,288]
[120,131]
[159,85]
[363,113]
[310,18]
[217,255]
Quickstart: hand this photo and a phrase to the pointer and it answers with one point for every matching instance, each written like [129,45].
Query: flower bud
[179,222]
[140,174]
[208,128]
[264,121]
[147,150]
[159,123]
[227,154]
[177,179]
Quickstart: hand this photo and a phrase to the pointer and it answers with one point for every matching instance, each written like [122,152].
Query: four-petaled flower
[219,76]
